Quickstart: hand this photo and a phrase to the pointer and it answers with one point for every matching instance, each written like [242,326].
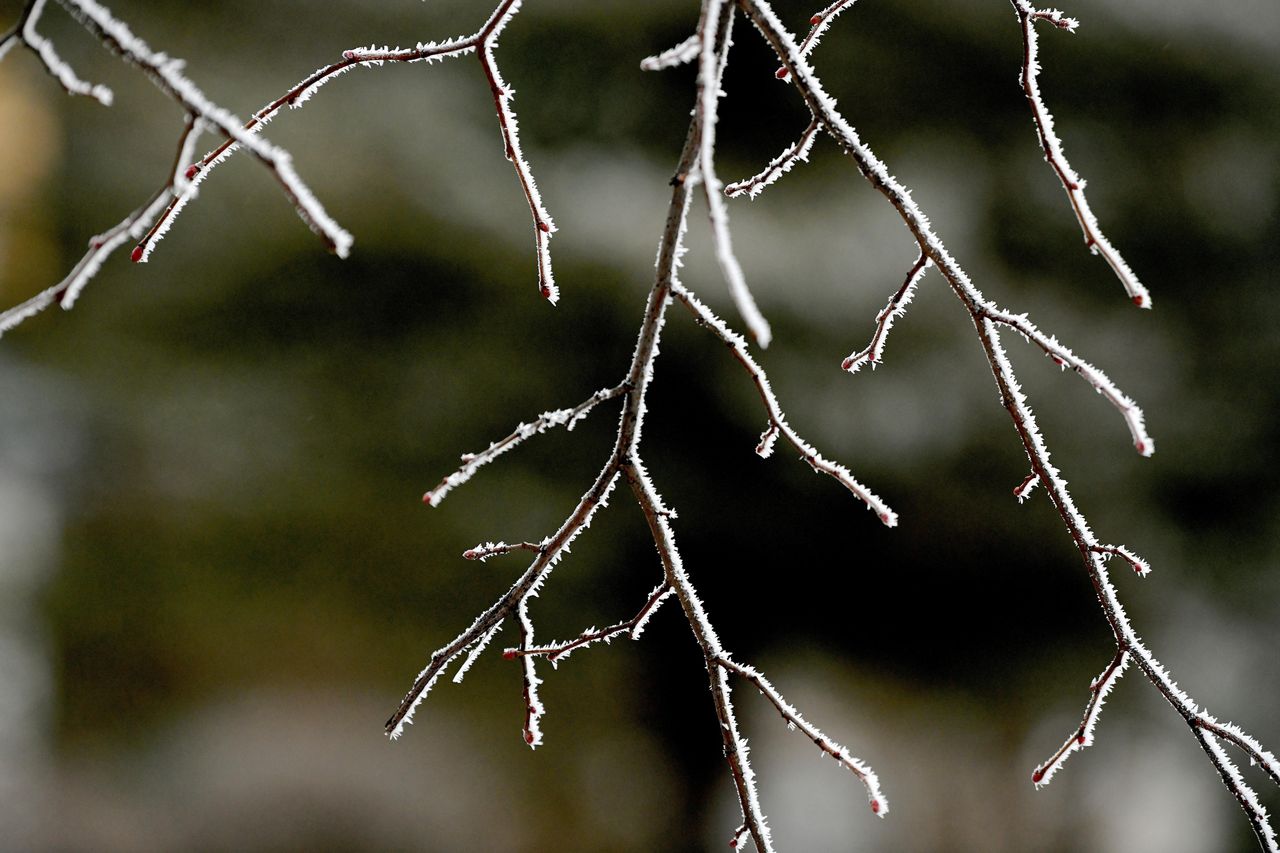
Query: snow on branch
[1053,154]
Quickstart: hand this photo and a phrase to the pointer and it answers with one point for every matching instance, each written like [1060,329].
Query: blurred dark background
[217,576]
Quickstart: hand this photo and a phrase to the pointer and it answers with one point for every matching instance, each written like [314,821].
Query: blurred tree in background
[218,576]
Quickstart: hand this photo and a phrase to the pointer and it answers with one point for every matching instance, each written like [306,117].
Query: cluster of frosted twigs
[709,49]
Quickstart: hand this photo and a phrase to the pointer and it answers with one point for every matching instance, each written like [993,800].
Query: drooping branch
[794,719]
[149,223]
[1052,146]
[777,419]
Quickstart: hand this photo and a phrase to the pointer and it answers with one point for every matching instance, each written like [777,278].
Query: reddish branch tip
[733,842]
[544,228]
[1038,776]
[1139,300]
[192,170]
[469,554]
[349,54]
[528,737]
[1080,740]
[545,291]
[875,806]
[136,254]
[781,73]
[884,516]
[509,654]
[815,20]
[847,363]
[427,498]
[1142,447]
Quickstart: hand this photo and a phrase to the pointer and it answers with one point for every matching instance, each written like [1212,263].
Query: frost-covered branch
[874,352]
[777,419]
[986,326]
[1083,736]
[795,153]
[150,222]
[794,720]
[1053,154]
[25,33]
[625,462]
[633,627]
[473,462]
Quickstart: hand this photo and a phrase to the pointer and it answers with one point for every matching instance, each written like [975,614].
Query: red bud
[136,254]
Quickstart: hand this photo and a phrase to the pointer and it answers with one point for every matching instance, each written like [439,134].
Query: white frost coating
[807,452]
[1140,566]
[1234,734]
[1071,182]
[1083,736]
[682,54]
[475,461]
[874,352]
[710,73]
[100,248]
[643,621]
[797,152]
[818,26]
[794,720]
[533,705]
[1023,490]
[54,63]
[1249,799]
[8,43]
[435,668]
[166,73]
[1064,357]
[528,584]
[736,750]
[768,439]
[475,653]
[543,226]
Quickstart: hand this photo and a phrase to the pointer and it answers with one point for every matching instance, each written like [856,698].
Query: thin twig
[777,418]
[873,354]
[633,627]
[473,462]
[794,720]
[1053,154]
[1083,736]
